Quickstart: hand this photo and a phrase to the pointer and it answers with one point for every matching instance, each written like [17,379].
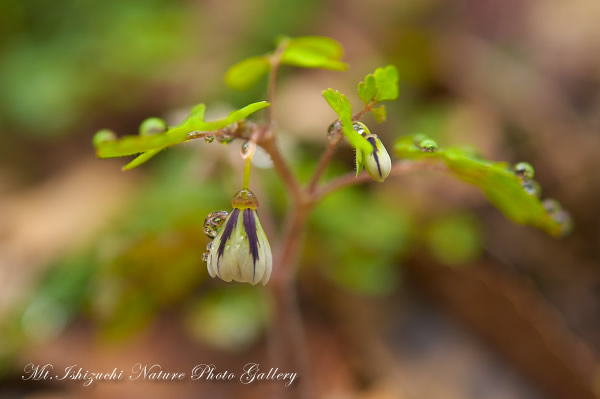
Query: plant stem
[350,179]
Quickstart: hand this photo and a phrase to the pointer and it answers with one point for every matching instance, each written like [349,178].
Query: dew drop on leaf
[524,170]
[213,223]
[551,205]
[428,145]
[152,126]
[209,139]
[104,135]
[532,187]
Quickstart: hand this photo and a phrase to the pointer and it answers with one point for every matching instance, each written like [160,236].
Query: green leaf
[313,52]
[131,144]
[142,158]
[246,73]
[367,89]
[340,104]
[379,113]
[510,193]
[359,162]
[387,83]
[379,86]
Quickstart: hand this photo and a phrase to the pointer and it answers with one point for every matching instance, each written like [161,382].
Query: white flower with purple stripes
[241,251]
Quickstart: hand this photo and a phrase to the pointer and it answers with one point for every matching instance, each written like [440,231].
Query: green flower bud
[241,251]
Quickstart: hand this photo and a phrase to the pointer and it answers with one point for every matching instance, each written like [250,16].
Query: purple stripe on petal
[228,229]
[374,144]
[252,234]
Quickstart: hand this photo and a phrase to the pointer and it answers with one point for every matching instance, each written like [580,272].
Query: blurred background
[435,295]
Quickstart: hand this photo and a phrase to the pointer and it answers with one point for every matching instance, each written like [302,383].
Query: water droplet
[205,256]
[152,126]
[213,223]
[104,135]
[551,205]
[245,147]
[209,246]
[417,138]
[566,222]
[358,128]
[524,170]
[209,139]
[428,145]
[532,187]
[333,130]
[224,138]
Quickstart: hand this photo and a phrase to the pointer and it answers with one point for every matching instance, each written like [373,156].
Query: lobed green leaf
[379,86]
[502,187]
[340,104]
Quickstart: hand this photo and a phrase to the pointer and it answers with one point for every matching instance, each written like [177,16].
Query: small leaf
[367,89]
[359,162]
[340,104]
[502,187]
[379,113]
[246,73]
[129,145]
[387,83]
[313,52]
[142,158]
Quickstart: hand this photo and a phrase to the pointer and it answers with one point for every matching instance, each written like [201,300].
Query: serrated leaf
[246,73]
[387,83]
[131,144]
[499,184]
[313,52]
[340,104]
[379,86]
[367,89]
[379,113]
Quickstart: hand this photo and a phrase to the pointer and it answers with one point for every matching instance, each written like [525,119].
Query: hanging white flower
[241,251]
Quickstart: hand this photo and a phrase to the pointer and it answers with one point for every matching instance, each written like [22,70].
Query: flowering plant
[240,250]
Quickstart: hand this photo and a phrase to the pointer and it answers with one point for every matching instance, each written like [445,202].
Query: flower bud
[378,163]
[241,251]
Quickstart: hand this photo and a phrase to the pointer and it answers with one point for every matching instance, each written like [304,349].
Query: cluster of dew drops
[525,172]
[212,225]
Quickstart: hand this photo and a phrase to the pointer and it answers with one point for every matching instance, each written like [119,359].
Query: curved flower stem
[350,179]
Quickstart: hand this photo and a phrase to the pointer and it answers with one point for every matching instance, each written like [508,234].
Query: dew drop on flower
[209,246]
[209,139]
[532,187]
[359,129]
[205,256]
[428,145]
[245,147]
[524,170]
[213,223]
